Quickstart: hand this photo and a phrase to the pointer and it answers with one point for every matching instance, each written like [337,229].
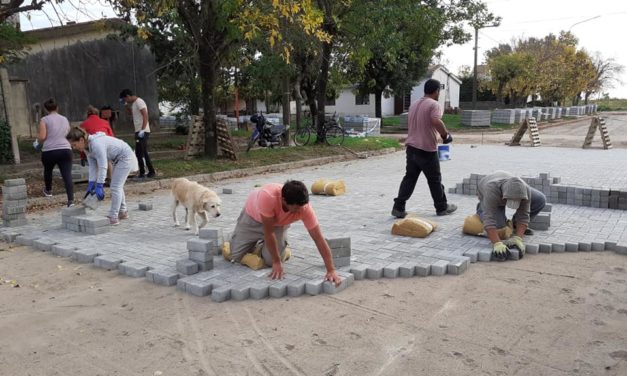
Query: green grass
[611,104]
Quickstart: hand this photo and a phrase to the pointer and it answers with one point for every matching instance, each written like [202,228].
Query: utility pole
[474,74]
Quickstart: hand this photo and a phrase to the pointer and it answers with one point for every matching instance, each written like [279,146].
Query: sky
[600,26]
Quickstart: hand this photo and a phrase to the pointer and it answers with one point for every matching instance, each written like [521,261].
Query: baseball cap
[512,204]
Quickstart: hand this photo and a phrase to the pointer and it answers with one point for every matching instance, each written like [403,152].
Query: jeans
[62,158]
[248,233]
[141,152]
[121,169]
[537,203]
[428,163]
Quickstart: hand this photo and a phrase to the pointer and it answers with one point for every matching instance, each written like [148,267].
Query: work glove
[36,145]
[516,241]
[140,134]
[100,191]
[448,139]
[500,251]
[91,187]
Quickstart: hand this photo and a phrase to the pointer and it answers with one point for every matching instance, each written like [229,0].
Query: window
[362,99]
[441,86]
[330,101]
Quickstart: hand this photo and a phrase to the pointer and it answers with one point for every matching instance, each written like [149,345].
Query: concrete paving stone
[391,270]
[221,293]
[359,271]
[63,250]
[43,244]
[277,289]
[407,270]
[10,237]
[259,291]
[145,206]
[110,262]
[340,262]
[597,246]
[194,287]
[374,272]
[84,256]
[208,233]
[458,267]
[200,256]
[240,292]
[621,249]
[96,230]
[162,277]
[73,211]
[545,248]
[472,254]
[439,267]
[296,288]
[558,247]
[423,269]
[571,247]
[8,210]
[204,266]
[484,255]
[585,247]
[610,246]
[330,288]
[227,191]
[314,287]
[133,269]
[14,182]
[187,266]
[202,245]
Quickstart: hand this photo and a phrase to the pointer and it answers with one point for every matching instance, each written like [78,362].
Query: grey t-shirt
[103,148]
[57,127]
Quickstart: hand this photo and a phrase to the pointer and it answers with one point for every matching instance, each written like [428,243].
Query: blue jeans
[537,203]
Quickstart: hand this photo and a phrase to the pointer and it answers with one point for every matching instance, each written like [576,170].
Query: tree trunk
[377,102]
[208,76]
[586,97]
[299,102]
[286,108]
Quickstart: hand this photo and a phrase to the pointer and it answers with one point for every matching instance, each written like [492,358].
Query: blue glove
[36,144]
[100,191]
[91,187]
[140,134]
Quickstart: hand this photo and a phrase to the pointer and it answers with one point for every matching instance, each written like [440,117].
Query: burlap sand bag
[474,226]
[328,187]
[415,227]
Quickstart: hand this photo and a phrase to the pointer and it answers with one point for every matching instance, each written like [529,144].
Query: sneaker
[113,221]
[123,215]
[70,204]
[151,175]
[398,213]
[47,193]
[450,208]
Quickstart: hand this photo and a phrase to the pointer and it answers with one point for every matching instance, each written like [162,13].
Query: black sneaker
[450,208]
[399,213]
[47,193]
[151,175]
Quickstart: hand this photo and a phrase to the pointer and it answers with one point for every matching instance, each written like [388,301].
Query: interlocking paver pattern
[150,246]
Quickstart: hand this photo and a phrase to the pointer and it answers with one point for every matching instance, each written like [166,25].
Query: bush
[6,151]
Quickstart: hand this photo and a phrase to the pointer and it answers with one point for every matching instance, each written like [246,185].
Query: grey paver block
[278,289]
[621,249]
[208,233]
[296,288]
[391,270]
[558,247]
[162,277]
[259,291]
[532,248]
[571,247]
[133,269]
[240,292]
[330,288]
[186,266]
[43,244]
[484,255]
[374,272]
[204,266]
[10,237]
[314,287]
[359,271]
[423,269]
[84,256]
[439,267]
[203,245]
[340,262]
[545,248]
[221,293]
[63,250]
[145,206]
[199,288]
[227,191]
[200,256]
[597,247]
[407,270]
[514,254]
[472,254]
[107,261]
[14,182]
[585,247]
[73,211]
[457,267]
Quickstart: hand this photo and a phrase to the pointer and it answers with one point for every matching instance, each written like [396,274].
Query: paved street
[149,238]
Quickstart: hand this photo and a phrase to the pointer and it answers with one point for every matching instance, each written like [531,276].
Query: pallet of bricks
[196,138]
[14,203]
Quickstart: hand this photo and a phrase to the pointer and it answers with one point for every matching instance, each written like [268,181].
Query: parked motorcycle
[265,133]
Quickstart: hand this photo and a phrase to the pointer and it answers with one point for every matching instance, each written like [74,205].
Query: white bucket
[444,152]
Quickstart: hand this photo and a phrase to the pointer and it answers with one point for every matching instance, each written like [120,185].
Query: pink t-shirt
[421,134]
[267,201]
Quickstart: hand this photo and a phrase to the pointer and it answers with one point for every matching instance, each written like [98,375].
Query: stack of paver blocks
[201,251]
[476,118]
[79,173]
[537,113]
[14,202]
[542,221]
[341,251]
[504,116]
[75,219]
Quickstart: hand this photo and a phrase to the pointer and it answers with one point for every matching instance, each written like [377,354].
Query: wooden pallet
[598,123]
[196,139]
[534,134]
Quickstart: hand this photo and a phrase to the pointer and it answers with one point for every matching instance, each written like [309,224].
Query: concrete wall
[449,96]
[345,105]
[84,71]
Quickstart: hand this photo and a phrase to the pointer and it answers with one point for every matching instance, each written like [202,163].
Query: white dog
[196,199]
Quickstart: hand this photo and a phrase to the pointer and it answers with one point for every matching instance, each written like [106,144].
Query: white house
[351,103]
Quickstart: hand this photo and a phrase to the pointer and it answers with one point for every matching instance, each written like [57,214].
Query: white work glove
[36,144]
[141,133]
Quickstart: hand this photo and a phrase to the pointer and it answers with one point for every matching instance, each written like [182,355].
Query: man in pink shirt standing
[424,123]
[268,213]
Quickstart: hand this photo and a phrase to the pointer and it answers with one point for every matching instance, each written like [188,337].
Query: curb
[154,185]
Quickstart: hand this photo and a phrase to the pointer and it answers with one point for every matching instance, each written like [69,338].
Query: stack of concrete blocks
[201,251]
[145,206]
[403,120]
[79,173]
[551,113]
[594,108]
[362,125]
[14,202]
[537,113]
[565,111]
[504,116]
[76,219]
[558,112]
[476,118]
[341,251]
[520,114]
[542,221]
[468,186]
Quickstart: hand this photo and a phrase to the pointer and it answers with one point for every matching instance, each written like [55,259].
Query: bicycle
[332,132]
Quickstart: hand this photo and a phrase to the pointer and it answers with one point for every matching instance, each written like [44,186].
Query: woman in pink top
[265,218]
